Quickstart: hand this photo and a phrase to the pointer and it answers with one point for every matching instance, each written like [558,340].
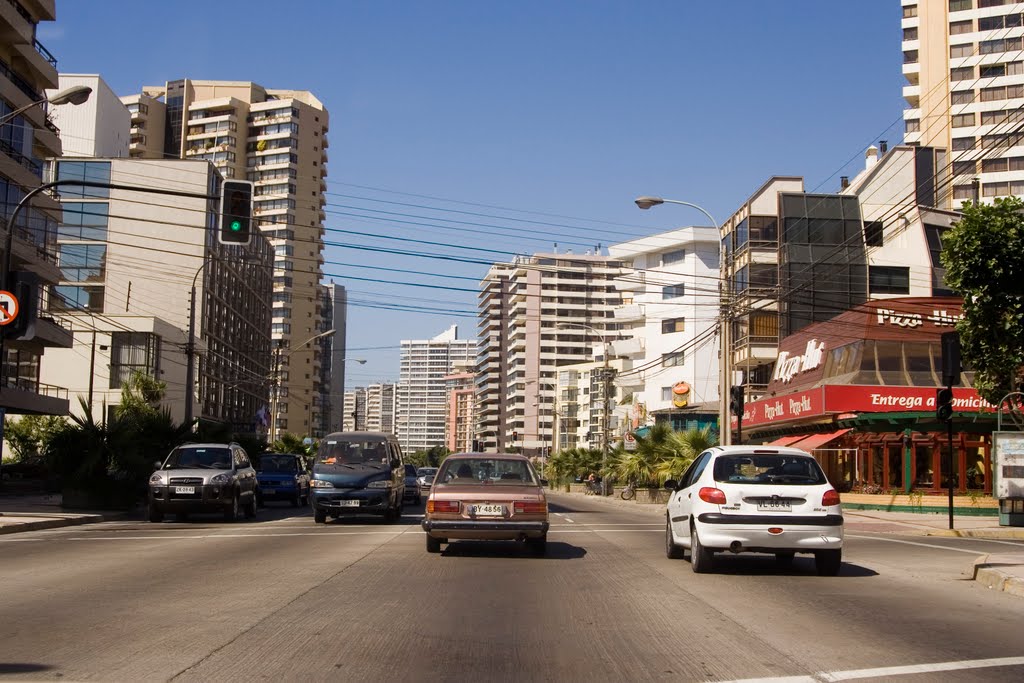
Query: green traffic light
[236,226]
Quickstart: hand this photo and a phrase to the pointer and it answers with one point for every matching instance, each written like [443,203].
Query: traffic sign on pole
[8,307]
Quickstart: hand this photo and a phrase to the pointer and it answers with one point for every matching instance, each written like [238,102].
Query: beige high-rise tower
[278,140]
[964,70]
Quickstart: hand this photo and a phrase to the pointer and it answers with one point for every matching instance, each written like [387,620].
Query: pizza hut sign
[788,366]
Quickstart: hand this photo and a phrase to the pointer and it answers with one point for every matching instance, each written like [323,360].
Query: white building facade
[96,128]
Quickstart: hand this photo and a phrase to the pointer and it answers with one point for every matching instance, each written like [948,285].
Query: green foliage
[984,258]
[28,435]
[567,465]
[293,443]
[661,454]
[431,457]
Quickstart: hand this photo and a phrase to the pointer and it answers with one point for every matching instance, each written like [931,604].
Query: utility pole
[606,422]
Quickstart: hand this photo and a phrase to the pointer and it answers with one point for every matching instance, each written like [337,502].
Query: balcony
[630,313]
[628,348]
[629,383]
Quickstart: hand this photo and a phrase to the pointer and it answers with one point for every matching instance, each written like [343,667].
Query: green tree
[683,448]
[29,435]
[984,258]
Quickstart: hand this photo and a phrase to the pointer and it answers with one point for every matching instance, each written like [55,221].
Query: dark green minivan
[357,473]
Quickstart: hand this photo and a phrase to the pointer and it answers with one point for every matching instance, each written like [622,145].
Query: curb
[55,523]
[993,578]
[924,509]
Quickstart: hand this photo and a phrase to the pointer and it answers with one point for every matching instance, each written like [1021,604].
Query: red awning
[786,440]
[809,443]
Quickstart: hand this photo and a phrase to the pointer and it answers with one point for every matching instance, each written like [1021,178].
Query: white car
[761,499]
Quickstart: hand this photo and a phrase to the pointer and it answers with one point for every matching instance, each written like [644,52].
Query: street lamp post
[76,94]
[276,376]
[606,395]
[725,315]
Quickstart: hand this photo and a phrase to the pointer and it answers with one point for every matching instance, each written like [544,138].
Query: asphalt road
[282,599]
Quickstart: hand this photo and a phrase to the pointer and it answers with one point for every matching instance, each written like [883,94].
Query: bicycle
[628,492]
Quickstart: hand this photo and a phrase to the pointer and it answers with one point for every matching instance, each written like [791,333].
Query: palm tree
[685,446]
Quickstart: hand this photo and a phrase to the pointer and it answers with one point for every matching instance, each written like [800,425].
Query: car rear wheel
[673,551]
[701,559]
[155,513]
[231,511]
[537,546]
[433,544]
[320,516]
[828,562]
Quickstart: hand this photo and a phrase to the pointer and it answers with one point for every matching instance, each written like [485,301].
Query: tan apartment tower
[964,70]
[27,137]
[278,140]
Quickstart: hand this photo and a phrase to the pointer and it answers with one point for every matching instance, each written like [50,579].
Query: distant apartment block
[370,408]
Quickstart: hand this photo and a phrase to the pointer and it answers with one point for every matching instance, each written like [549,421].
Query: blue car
[283,476]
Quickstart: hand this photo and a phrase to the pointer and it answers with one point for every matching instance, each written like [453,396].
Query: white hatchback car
[761,499]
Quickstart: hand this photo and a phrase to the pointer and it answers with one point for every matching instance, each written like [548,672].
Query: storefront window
[919,364]
[976,471]
[889,361]
[924,475]
[895,462]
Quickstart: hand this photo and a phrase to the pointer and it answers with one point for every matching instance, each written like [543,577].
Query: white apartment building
[129,262]
[670,306]
[97,127]
[370,408]
[587,410]
[537,314]
[422,394]
[964,67]
[278,140]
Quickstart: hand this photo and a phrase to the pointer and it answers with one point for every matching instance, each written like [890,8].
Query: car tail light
[443,506]
[830,498]
[712,495]
[530,507]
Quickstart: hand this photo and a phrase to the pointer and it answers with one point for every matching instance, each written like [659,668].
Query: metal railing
[45,53]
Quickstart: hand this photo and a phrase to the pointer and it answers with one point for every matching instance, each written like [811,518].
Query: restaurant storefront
[858,392]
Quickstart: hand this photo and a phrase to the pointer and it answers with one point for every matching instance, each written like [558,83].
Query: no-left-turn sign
[8,307]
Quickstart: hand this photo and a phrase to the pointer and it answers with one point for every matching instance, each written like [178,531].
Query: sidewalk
[1002,571]
[43,511]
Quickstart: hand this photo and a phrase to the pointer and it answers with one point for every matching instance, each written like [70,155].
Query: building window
[957,28]
[671,325]
[989,3]
[963,192]
[673,359]
[964,167]
[913,125]
[963,144]
[82,262]
[909,11]
[91,171]
[961,97]
[666,393]
[995,189]
[84,221]
[910,56]
[132,352]
[960,5]
[910,33]
[873,232]
[999,22]
[670,257]
[71,298]
[965,50]
[989,71]
[989,47]
[961,120]
[888,280]
[964,73]
[672,291]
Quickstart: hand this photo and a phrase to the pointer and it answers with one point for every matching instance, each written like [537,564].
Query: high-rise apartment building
[28,137]
[536,314]
[460,425]
[370,408]
[964,67]
[278,140]
[332,383]
[422,394]
[129,264]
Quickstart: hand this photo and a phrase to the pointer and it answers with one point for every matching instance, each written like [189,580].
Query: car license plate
[489,510]
[186,490]
[774,505]
[348,503]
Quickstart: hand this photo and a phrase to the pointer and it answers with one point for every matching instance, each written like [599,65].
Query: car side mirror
[157,464]
[671,484]
[543,482]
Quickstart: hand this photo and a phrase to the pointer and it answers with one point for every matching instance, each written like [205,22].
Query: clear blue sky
[559,113]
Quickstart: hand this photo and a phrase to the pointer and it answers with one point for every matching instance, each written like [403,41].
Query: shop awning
[786,440]
[809,443]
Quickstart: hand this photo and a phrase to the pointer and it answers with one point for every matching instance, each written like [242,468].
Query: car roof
[206,445]
[491,456]
[758,450]
[384,436]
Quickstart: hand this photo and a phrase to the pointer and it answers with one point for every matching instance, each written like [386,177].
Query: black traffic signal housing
[235,212]
[736,400]
[25,286]
[944,404]
[515,437]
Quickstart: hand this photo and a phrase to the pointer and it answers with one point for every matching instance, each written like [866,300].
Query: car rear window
[486,471]
[768,469]
[278,464]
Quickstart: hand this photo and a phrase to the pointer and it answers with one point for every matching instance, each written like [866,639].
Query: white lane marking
[254,535]
[922,545]
[882,672]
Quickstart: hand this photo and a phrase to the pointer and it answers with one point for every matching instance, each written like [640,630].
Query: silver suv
[204,477]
